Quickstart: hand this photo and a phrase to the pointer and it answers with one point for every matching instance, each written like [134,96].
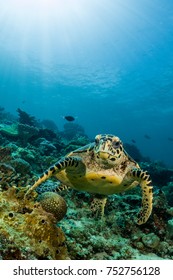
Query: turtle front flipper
[147,196]
[64,163]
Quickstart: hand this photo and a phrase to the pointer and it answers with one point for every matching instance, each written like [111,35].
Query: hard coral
[54,204]
[5,154]
[29,228]
[46,147]
[25,118]
[9,176]
[9,131]
[47,134]
[26,132]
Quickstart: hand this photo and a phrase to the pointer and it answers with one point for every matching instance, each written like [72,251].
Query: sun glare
[32,9]
[68,30]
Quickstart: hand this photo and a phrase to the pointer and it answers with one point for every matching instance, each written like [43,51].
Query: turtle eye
[116,144]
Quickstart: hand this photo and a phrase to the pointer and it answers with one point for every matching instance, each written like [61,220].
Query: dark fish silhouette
[147,136]
[133,141]
[69,118]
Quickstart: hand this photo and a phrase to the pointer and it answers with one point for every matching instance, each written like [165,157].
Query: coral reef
[72,130]
[26,132]
[160,174]
[14,173]
[48,186]
[25,118]
[46,147]
[9,130]
[168,190]
[170,228]
[21,166]
[27,231]
[21,132]
[5,154]
[116,236]
[48,134]
[7,176]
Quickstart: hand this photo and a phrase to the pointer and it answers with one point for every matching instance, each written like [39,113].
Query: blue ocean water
[107,62]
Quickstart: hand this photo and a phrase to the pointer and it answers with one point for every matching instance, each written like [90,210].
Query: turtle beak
[103,155]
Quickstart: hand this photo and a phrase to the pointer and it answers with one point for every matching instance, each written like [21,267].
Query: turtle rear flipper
[98,205]
[64,163]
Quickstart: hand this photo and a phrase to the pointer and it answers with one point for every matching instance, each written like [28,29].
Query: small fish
[69,118]
[170,139]
[147,136]
[133,141]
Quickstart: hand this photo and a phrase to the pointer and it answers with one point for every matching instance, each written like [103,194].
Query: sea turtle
[102,168]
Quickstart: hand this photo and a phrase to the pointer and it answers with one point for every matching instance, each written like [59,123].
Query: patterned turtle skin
[102,168]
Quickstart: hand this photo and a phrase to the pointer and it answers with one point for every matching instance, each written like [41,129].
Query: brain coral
[54,204]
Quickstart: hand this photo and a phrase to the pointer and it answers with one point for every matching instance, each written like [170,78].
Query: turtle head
[108,150]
